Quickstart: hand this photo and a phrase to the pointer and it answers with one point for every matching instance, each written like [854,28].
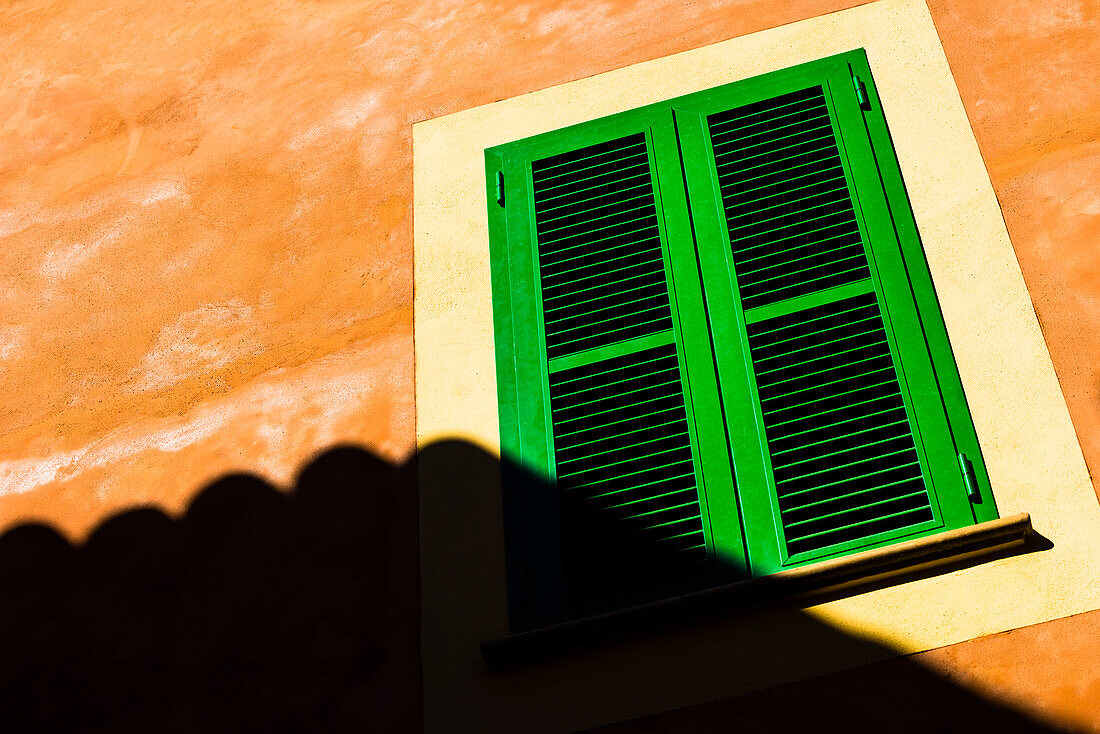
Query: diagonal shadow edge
[258,609]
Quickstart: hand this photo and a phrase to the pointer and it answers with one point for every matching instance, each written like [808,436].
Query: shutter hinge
[861,92]
[500,187]
[969,479]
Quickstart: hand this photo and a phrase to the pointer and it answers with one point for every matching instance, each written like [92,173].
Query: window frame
[676,131]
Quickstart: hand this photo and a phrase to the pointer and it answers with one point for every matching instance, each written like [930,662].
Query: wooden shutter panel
[629,506]
[599,247]
[624,449]
[791,225]
[812,308]
[842,451]
[843,458]
[630,510]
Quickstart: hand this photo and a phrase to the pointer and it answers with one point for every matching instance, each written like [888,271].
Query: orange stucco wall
[205,222]
[205,218]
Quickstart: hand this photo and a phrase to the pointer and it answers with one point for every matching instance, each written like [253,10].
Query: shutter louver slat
[631,521]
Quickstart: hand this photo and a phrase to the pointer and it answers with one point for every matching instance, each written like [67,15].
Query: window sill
[852,573]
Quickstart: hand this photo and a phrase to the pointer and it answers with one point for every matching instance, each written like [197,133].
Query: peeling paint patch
[11,341]
[199,341]
[23,475]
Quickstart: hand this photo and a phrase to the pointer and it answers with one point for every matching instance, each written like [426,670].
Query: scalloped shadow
[261,610]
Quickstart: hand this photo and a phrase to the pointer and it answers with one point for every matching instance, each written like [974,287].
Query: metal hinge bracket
[500,187]
[861,92]
[969,479]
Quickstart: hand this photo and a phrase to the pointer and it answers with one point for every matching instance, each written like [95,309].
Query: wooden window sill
[850,573]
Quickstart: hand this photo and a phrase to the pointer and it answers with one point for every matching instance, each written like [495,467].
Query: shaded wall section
[296,609]
[260,609]
[205,218]
[1034,669]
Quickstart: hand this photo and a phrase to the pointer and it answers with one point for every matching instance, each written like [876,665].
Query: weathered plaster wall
[205,222]
[205,225]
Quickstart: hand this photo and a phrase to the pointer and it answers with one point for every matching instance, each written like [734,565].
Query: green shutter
[805,283]
[630,513]
[727,285]
[623,445]
[820,355]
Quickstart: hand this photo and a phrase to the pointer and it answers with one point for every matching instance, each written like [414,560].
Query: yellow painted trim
[1031,449]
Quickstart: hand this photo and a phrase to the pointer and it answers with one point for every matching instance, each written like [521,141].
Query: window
[717,338]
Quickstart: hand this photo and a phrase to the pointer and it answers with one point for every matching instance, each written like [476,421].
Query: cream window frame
[1028,441]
